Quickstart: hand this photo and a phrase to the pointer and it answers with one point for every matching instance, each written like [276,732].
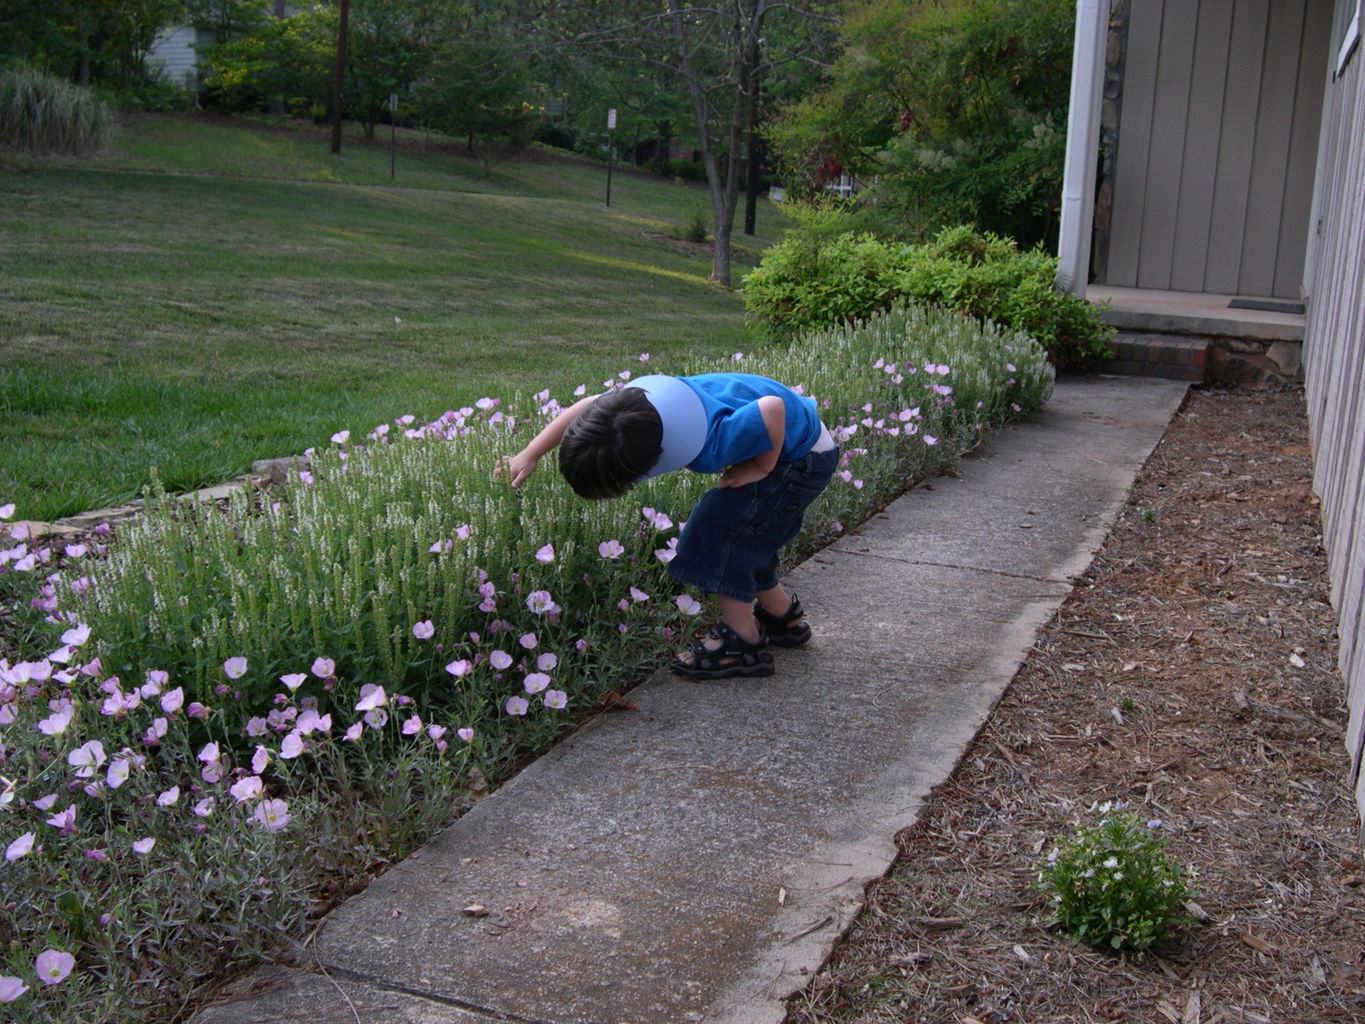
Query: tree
[714,55]
[956,108]
[90,42]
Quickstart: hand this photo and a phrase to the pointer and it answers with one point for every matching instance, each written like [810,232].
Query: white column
[1082,145]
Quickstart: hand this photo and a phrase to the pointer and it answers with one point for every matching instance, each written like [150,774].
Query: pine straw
[1193,674]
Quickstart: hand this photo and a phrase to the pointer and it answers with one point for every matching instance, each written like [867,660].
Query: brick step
[1173,357]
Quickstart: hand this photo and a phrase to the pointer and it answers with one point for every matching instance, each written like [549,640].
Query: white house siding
[1334,352]
[173,51]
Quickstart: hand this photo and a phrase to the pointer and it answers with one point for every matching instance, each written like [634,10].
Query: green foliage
[42,114]
[694,228]
[816,277]
[1112,884]
[955,111]
[98,43]
[282,60]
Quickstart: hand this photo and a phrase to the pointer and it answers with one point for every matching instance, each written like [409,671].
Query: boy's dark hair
[611,444]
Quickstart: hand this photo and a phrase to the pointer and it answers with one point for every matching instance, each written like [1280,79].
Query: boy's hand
[518,468]
[743,473]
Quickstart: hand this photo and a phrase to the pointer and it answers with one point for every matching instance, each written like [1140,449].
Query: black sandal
[734,657]
[784,630]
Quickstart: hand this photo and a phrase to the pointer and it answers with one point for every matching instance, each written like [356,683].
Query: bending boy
[774,457]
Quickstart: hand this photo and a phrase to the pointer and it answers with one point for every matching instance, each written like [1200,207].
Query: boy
[774,457]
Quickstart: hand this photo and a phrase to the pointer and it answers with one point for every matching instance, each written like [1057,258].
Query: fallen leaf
[613,701]
[1256,942]
[475,910]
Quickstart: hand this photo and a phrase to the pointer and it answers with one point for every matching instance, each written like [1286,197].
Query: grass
[218,292]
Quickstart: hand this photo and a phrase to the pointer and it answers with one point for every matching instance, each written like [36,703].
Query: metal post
[611,147]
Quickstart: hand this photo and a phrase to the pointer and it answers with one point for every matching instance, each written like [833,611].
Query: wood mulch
[1192,673]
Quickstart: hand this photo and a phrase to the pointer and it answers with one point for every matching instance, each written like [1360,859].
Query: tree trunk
[338,73]
[724,182]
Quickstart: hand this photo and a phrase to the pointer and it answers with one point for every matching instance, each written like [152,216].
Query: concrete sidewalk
[696,861]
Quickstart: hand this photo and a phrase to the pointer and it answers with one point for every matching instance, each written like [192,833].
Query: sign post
[611,147]
[393,132]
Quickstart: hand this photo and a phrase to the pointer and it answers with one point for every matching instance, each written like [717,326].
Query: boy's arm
[521,465]
[749,471]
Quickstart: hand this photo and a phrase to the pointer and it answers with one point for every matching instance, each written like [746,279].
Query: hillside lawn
[218,291]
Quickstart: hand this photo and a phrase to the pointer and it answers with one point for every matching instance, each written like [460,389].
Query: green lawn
[219,292]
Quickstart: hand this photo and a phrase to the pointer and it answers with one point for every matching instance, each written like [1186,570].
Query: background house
[1216,157]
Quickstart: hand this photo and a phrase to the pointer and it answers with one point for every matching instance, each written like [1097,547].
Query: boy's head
[611,444]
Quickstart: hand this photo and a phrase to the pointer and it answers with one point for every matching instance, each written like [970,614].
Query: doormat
[1266,305]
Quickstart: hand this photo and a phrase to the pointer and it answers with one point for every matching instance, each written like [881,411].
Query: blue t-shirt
[734,425]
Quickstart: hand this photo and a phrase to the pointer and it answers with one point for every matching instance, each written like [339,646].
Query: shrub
[1112,884]
[694,228]
[812,278]
[42,114]
[244,702]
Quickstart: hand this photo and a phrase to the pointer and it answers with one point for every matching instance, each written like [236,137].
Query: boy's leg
[776,602]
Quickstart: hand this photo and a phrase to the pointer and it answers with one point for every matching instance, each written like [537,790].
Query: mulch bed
[1192,673]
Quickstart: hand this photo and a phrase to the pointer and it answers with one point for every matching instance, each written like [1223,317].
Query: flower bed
[224,719]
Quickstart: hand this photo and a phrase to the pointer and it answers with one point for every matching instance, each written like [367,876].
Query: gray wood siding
[1217,137]
[1334,355]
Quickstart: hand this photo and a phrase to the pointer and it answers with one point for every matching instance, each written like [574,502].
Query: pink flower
[930,439]
[687,604]
[555,699]
[371,697]
[77,636]
[436,731]
[10,988]
[66,820]
[234,668]
[205,807]
[541,603]
[210,752]
[294,680]
[324,667]
[546,554]
[341,437]
[412,726]
[466,734]
[529,641]
[291,746]
[353,733]
[547,661]
[248,788]
[611,549]
[536,681]
[169,797]
[87,759]
[53,966]
[636,594]
[424,630]
[460,667]
[21,847]
[517,705]
[273,814]
[143,846]
[500,660]
[173,701]
[55,724]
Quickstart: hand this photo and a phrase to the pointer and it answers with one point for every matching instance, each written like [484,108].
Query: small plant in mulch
[1112,884]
